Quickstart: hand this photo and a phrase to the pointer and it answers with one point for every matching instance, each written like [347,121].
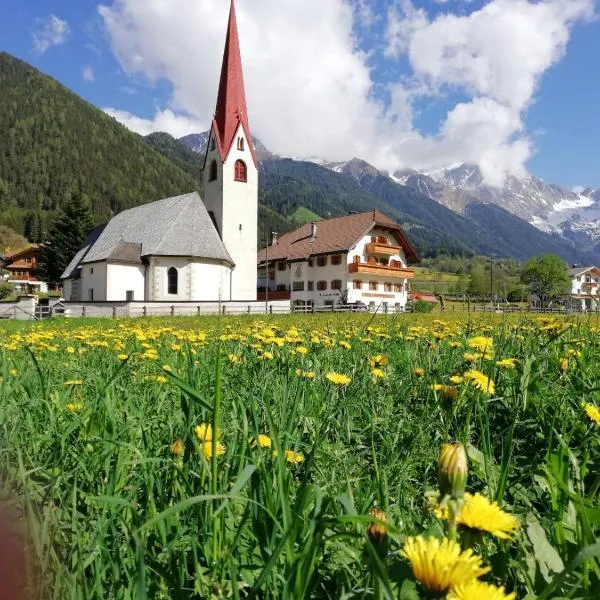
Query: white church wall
[235,206]
[93,282]
[196,280]
[122,278]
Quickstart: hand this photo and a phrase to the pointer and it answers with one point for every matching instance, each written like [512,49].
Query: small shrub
[6,290]
[420,306]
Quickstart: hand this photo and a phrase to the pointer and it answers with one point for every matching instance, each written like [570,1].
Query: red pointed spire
[231,101]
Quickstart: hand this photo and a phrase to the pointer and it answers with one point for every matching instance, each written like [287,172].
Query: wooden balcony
[281,295]
[589,285]
[383,270]
[382,249]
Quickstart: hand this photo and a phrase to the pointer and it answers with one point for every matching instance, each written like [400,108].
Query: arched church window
[240,143]
[172,280]
[212,175]
[241,172]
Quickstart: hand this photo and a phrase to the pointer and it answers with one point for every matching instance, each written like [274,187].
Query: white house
[181,248]
[358,258]
[584,287]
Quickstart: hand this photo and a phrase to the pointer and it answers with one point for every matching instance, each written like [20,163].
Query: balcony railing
[382,249]
[391,270]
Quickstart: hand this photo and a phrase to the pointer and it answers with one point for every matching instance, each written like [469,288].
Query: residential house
[358,258]
[22,267]
[584,292]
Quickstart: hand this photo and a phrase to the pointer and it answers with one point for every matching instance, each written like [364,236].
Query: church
[185,248]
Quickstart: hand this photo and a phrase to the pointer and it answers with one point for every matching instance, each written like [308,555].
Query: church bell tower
[230,174]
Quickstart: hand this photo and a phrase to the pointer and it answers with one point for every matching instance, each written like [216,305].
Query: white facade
[585,288]
[234,205]
[196,280]
[359,275]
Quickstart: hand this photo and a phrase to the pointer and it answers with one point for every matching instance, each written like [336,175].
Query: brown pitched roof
[335,235]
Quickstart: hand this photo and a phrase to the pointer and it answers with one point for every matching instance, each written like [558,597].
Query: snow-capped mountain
[529,198]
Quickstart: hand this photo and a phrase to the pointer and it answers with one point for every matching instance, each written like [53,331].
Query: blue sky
[387,81]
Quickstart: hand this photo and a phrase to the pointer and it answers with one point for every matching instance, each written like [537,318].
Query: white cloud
[52,31]
[177,125]
[88,73]
[310,88]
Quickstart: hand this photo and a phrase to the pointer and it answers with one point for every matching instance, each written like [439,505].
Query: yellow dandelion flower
[262,441]
[161,379]
[13,372]
[507,363]
[293,457]
[479,513]
[481,343]
[177,447]
[440,565]
[481,382]
[122,356]
[419,372]
[379,360]
[593,412]
[74,406]
[563,365]
[378,373]
[338,378]
[233,358]
[204,432]
[70,350]
[454,344]
[478,590]
[207,449]
[167,368]
[345,344]
[267,355]
[302,350]
[456,379]
[470,357]
[74,382]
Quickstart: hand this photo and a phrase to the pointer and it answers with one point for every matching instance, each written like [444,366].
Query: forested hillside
[52,142]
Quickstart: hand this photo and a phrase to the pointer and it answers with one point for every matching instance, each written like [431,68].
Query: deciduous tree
[547,276]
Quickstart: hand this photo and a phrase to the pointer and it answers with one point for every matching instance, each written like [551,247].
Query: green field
[108,456]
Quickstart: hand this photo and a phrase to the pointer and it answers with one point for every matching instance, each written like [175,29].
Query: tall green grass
[111,512]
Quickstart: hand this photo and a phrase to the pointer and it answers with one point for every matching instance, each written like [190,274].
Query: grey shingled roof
[177,226]
[579,270]
[72,268]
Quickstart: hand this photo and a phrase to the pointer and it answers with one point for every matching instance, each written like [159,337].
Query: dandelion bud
[377,532]
[453,470]
[564,365]
[177,447]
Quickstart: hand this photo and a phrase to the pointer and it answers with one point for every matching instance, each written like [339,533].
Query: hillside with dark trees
[53,144]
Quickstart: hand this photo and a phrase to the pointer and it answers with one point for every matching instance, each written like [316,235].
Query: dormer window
[241,172]
[212,174]
[240,144]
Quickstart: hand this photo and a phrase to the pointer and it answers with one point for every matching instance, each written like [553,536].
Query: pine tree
[66,235]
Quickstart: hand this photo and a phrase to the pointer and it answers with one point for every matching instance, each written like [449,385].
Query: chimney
[313,230]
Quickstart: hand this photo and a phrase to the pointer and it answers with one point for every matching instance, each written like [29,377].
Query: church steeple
[231,108]
[230,173]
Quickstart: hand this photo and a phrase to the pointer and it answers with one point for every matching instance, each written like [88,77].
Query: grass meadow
[298,457]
